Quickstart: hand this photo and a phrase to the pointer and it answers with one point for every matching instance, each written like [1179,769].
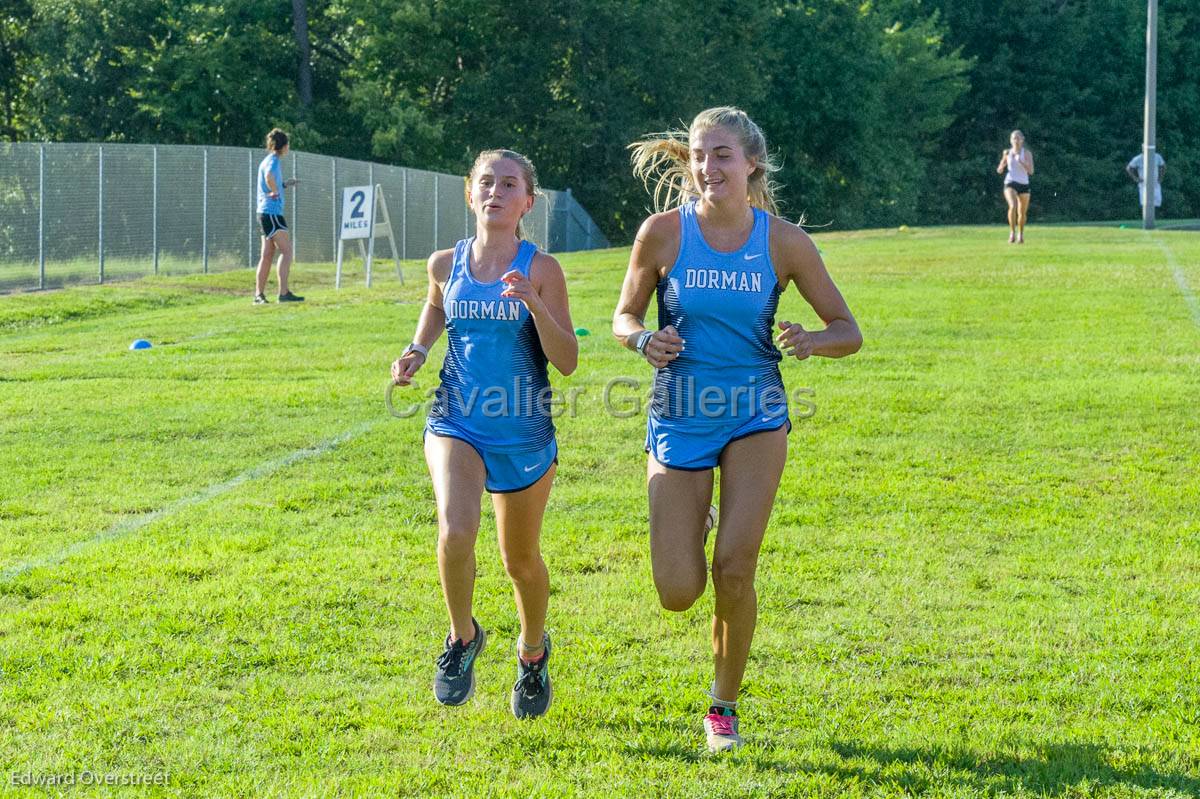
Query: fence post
[154,209]
[546,215]
[404,213]
[333,203]
[100,215]
[252,191]
[295,212]
[204,215]
[435,210]
[41,216]
[371,221]
[570,204]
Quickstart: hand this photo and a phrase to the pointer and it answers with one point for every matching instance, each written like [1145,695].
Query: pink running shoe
[721,727]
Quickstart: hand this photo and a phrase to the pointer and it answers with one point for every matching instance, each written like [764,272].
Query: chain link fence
[87,213]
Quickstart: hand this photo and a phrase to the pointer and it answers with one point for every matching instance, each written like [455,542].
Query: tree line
[883,112]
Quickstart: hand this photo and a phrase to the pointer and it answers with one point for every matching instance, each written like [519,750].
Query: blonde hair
[662,160]
[527,171]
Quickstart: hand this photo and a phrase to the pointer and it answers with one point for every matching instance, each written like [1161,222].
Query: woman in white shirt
[1017,165]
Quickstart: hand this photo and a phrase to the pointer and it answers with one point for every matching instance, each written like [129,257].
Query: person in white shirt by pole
[1016,163]
[1138,175]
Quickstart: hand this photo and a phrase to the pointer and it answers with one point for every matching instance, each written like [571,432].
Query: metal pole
[295,212]
[100,215]
[154,211]
[374,209]
[204,215]
[1149,153]
[435,211]
[251,187]
[41,216]
[546,216]
[404,214]
[570,214]
[333,203]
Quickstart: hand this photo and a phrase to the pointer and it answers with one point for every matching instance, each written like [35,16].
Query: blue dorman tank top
[723,305]
[494,386]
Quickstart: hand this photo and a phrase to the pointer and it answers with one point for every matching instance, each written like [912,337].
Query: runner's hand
[795,340]
[404,368]
[522,288]
[663,347]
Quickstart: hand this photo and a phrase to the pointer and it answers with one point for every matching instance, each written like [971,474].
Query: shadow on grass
[751,756]
[1051,770]
[684,743]
[1054,770]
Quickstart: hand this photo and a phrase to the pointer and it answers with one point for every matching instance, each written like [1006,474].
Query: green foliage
[885,112]
[853,122]
[1070,74]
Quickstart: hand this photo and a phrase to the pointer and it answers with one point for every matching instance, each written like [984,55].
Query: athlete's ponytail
[527,171]
[662,160]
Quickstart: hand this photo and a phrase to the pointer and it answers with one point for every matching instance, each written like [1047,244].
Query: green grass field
[982,577]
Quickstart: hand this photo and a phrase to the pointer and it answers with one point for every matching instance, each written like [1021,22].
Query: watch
[642,341]
[415,347]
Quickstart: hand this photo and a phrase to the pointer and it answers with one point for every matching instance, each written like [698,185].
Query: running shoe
[531,695]
[290,297]
[721,728]
[454,681]
[260,299]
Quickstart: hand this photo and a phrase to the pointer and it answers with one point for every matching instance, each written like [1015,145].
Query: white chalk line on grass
[1181,280]
[132,525]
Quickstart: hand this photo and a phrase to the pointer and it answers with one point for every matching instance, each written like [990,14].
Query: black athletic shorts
[272,224]
[1022,188]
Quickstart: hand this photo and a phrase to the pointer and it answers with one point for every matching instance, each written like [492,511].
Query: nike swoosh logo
[752,257]
[531,468]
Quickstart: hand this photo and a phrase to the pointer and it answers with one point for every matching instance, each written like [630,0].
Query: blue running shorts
[507,472]
[694,447]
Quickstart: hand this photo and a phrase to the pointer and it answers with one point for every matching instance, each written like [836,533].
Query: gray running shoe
[454,681]
[531,695]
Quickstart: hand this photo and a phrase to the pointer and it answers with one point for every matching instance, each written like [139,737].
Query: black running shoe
[290,297]
[531,695]
[454,681]
[260,299]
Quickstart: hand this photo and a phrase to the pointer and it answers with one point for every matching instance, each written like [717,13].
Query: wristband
[642,341]
[415,347]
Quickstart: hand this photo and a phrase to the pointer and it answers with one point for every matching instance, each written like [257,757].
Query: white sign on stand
[365,216]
